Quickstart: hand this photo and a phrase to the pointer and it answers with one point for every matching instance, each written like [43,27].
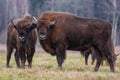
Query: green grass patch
[45,68]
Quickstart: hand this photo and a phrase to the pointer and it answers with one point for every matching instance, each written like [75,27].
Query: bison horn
[117,54]
[34,19]
[13,23]
[12,20]
[53,22]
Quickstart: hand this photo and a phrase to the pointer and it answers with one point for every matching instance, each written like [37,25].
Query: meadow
[45,68]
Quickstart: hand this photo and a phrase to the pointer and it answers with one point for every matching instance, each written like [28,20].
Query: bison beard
[73,33]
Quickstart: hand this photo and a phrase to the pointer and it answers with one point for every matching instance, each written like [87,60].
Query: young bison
[22,37]
[94,55]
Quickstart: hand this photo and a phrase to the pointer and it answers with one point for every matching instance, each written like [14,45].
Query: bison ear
[50,27]
[13,23]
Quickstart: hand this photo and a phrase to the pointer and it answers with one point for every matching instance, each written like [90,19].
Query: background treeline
[102,9]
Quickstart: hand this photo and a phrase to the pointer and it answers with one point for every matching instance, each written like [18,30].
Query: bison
[21,36]
[94,56]
[86,55]
[61,31]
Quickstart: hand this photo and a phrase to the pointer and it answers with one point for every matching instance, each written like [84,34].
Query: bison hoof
[112,71]
[86,64]
[95,70]
[29,66]
[23,67]
[7,66]
[92,63]
[18,66]
[59,68]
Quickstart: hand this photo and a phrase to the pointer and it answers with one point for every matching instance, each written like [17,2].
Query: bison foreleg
[9,52]
[86,57]
[23,60]
[60,55]
[29,57]
[99,58]
[98,63]
[17,58]
[93,58]
[22,57]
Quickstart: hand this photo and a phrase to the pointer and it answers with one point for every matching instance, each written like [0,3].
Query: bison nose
[42,33]
[42,36]
[21,38]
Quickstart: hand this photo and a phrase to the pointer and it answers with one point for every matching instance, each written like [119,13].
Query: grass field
[45,68]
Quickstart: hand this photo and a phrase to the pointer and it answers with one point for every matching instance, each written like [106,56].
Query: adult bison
[61,31]
[21,36]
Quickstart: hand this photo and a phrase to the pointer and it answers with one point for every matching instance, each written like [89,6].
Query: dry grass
[45,68]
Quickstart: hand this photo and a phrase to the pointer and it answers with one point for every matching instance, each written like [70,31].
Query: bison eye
[27,30]
[17,28]
[21,34]
[50,27]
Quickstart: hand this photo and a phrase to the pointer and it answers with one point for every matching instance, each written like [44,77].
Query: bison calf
[94,55]
[21,36]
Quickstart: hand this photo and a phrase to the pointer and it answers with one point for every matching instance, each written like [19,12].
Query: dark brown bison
[87,53]
[94,56]
[21,36]
[61,31]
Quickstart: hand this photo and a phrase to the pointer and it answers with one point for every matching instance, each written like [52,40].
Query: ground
[45,68]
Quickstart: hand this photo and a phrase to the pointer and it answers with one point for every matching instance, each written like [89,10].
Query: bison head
[44,26]
[23,27]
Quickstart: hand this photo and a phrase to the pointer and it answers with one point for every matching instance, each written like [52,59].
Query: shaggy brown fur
[60,31]
[22,37]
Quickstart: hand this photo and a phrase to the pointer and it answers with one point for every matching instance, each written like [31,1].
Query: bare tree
[115,22]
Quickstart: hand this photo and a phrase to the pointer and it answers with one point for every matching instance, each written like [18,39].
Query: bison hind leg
[98,57]
[60,55]
[86,57]
[110,61]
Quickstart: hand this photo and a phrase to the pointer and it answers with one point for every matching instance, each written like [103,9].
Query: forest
[101,9]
